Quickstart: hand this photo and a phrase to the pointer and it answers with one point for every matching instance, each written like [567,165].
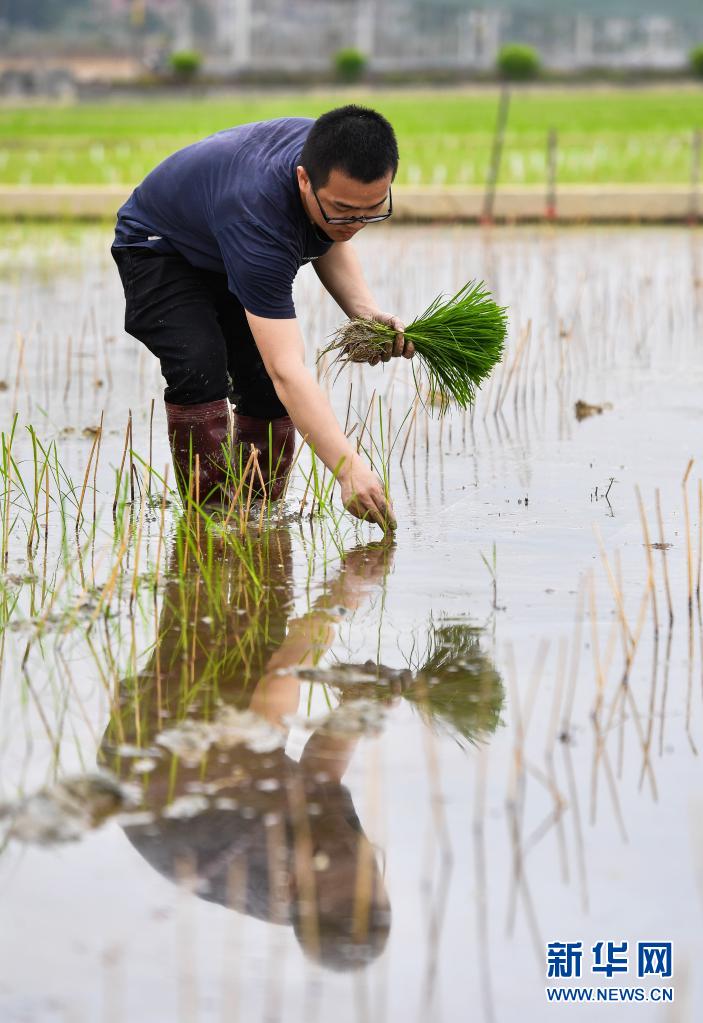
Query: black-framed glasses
[355,220]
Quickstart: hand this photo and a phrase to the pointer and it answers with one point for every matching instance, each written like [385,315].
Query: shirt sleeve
[260,270]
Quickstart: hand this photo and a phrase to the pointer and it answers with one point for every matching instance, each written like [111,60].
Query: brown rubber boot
[204,430]
[275,461]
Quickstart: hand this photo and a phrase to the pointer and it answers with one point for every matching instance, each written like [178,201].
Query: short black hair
[356,140]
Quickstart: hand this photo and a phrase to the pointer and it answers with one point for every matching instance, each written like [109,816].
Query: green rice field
[635,136]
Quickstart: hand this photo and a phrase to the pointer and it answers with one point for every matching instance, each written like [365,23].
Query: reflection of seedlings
[452,684]
[584,409]
[457,687]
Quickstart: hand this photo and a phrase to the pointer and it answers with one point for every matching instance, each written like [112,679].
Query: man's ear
[303,179]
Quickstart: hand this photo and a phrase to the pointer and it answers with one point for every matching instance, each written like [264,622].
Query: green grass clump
[349,64]
[696,60]
[185,64]
[518,62]
[457,341]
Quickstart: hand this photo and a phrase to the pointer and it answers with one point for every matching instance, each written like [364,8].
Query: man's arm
[281,346]
[340,272]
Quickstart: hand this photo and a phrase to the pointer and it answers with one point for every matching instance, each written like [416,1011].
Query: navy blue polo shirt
[231,204]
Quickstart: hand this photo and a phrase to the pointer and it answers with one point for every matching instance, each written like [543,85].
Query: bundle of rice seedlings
[457,341]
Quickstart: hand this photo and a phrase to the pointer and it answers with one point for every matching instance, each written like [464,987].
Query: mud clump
[583,409]
[190,740]
[355,717]
[65,811]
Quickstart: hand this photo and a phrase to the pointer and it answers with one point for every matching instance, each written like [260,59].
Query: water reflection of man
[252,828]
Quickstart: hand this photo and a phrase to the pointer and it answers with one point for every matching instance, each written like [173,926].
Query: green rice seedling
[458,341]
[35,496]
[493,572]
[7,465]
[118,478]
[379,451]
[320,488]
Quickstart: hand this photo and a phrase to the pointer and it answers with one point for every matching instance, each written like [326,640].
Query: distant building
[405,35]
[396,35]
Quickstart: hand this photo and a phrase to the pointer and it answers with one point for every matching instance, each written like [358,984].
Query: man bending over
[208,247]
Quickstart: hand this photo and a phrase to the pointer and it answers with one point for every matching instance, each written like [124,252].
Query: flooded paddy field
[276,769]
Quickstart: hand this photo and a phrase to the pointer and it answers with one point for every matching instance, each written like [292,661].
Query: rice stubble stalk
[79,513]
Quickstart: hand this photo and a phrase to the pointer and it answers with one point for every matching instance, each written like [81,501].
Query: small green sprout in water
[458,341]
[493,572]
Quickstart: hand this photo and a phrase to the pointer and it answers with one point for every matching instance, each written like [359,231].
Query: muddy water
[275,783]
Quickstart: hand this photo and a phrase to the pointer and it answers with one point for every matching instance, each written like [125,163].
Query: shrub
[518,62]
[349,64]
[696,60]
[185,63]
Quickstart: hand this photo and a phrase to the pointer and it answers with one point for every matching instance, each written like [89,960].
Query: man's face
[342,196]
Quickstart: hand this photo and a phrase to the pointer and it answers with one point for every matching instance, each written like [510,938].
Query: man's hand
[281,346]
[340,272]
[399,346]
[363,494]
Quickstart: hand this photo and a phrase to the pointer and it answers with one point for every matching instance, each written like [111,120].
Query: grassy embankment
[605,135]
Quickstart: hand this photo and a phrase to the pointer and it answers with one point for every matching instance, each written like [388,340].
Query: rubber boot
[204,430]
[275,461]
